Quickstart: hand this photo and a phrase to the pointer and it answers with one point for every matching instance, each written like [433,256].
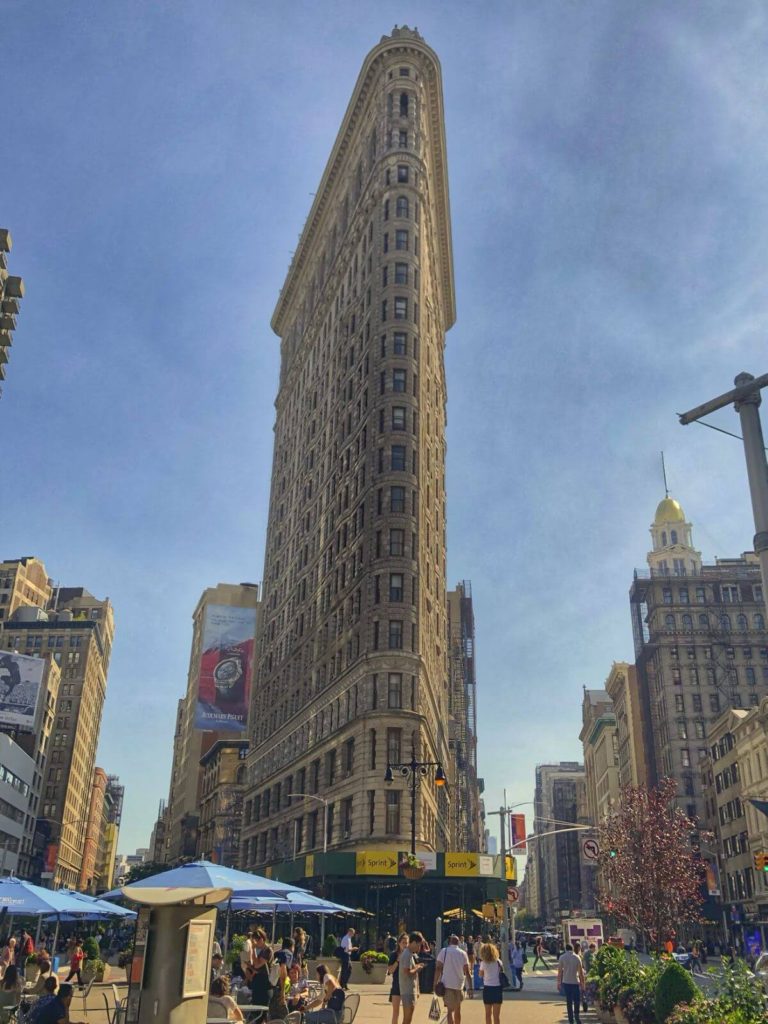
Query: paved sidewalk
[538,1003]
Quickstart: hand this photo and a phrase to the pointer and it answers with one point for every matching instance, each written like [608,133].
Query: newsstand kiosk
[171,966]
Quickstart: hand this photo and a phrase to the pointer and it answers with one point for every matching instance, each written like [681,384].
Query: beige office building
[191,740]
[353,666]
[600,739]
[76,630]
[622,687]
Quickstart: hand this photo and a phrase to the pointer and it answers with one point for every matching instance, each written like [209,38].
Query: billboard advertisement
[226,663]
[21,682]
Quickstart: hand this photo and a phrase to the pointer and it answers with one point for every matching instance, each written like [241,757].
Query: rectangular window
[395,586]
[398,417]
[701,595]
[401,239]
[679,702]
[714,702]
[402,173]
[372,749]
[397,499]
[401,308]
[386,241]
[401,273]
[397,543]
[384,276]
[384,310]
[394,742]
[402,140]
[392,826]
[400,344]
[399,381]
[685,757]
[394,689]
[666,595]
[371,810]
[398,457]
[684,596]
[697,702]
[395,634]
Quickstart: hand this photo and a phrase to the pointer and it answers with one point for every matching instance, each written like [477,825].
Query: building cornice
[302,258]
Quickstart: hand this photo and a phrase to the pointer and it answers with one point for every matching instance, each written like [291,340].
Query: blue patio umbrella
[97,908]
[202,876]
[20,897]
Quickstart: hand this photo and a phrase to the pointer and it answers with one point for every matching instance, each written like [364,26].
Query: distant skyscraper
[700,647]
[353,666]
[11,294]
[468,827]
[215,706]
[564,880]
[76,630]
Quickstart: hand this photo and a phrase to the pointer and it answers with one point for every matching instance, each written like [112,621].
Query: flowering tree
[650,873]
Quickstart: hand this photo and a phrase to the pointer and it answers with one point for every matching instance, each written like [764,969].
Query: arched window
[758,620]
[664,538]
[673,535]
[403,104]
[725,623]
[703,622]
[386,209]
[687,624]
[402,206]
[669,622]
[742,624]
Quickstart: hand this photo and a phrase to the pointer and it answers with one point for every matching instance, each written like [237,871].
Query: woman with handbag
[393,969]
[494,978]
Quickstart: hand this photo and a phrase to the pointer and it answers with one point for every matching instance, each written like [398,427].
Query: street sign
[590,849]
[513,894]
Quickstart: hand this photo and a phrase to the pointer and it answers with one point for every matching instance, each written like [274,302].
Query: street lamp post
[415,771]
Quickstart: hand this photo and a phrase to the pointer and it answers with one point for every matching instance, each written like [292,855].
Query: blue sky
[607,168]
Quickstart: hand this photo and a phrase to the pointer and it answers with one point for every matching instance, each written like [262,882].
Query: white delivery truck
[585,929]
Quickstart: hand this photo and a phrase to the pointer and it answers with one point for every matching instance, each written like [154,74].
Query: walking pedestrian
[571,982]
[518,965]
[452,971]
[75,965]
[490,970]
[538,954]
[408,969]
[261,959]
[346,950]
[393,970]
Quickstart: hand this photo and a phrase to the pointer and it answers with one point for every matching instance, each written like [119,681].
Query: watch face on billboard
[226,664]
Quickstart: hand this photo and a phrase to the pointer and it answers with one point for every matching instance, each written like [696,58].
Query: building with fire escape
[468,814]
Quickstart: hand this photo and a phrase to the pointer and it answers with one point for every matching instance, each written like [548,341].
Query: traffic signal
[761,861]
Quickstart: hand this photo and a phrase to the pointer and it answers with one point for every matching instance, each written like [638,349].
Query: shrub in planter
[367,960]
[615,972]
[638,1001]
[91,948]
[675,986]
[236,944]
[736,990]
[330,945]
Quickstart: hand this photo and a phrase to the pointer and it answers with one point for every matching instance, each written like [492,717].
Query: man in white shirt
[452,968]
[246,954]
[347,949]
[571,982]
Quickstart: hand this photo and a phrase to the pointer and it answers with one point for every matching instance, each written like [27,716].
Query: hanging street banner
[517,831]
[226,663]
[21,681]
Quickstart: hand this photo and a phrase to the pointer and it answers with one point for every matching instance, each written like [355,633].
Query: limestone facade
[353,663]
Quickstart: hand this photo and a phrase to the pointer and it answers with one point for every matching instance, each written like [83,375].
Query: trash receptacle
[427,974]
[477,981]
[55,964]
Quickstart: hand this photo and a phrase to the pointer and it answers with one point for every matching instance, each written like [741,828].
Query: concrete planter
[360,976]
[331,962]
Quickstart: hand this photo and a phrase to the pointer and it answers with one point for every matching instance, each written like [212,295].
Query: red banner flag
[517,832]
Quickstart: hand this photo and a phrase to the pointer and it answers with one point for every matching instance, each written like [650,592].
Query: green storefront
[374,881]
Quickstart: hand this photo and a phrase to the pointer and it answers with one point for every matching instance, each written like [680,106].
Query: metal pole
[748,409]
[504,930]
[325,850]
[413,809]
